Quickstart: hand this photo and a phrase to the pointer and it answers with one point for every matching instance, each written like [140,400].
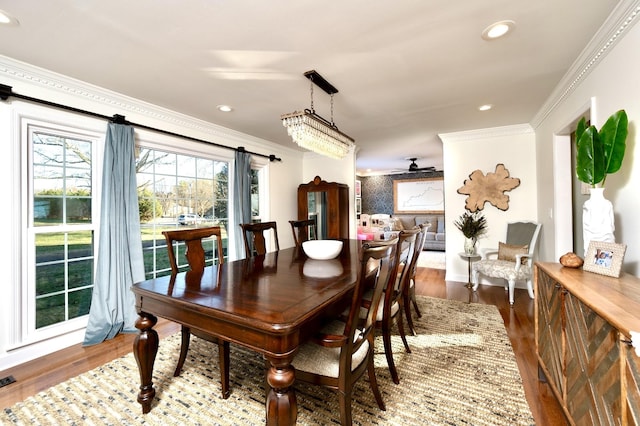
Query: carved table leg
[282,407]
[145,348]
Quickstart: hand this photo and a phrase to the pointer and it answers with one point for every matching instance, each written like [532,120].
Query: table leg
[281,404]
[145,348]
[469,285]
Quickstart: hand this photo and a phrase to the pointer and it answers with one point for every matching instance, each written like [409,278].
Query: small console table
[470,258]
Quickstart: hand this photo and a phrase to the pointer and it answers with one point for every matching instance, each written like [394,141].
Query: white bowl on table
[322,249]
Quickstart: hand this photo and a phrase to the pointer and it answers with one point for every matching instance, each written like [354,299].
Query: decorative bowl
[322,249]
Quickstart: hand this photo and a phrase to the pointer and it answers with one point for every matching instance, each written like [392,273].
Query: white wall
[607,72]
[465,152]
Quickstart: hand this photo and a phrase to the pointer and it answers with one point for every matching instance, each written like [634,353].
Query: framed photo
[358,205]
[604,258]
[358,189]
[418,196]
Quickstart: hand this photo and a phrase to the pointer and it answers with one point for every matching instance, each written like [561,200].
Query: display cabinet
[328,203]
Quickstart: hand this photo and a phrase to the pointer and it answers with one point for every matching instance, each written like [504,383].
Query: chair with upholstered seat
[255,243]
[513,260]
[343,351]
[409,297]
[303,230]
[392,308]
[197,257]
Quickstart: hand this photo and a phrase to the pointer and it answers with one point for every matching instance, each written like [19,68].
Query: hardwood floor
[40,374]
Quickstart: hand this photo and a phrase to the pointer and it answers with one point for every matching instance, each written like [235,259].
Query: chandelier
[310,131]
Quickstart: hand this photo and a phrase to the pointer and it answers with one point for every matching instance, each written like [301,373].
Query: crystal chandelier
[310,131]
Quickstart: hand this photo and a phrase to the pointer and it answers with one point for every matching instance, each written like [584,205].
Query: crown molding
[619,22]
[30,80]
[489,133]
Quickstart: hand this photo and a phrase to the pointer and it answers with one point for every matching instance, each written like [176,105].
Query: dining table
[270,303]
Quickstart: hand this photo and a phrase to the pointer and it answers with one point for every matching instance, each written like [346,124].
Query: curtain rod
[6,92]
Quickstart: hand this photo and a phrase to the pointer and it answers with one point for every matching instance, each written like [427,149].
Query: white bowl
[322,268]
[322,249]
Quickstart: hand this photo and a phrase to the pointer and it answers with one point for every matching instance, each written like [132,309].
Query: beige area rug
[462,372]
[432,259]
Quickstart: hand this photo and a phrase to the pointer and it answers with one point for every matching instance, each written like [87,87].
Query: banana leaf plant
[600,153]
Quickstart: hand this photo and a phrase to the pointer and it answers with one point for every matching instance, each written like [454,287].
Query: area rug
[432,259]
[462,371]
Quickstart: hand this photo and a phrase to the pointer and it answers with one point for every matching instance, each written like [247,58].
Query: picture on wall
[424,195]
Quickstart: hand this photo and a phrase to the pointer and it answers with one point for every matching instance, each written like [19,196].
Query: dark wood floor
[35,376]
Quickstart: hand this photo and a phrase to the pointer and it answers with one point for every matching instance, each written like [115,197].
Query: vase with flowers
[472,226]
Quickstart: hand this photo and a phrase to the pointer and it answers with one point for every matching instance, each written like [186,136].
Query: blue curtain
[120,261]
[242,198]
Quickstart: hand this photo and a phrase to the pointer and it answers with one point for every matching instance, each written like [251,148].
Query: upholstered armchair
[513,260]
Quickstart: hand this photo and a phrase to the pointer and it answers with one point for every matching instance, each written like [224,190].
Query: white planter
[597,219]
[469,245]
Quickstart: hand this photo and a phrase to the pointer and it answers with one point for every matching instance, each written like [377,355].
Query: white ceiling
[405,70]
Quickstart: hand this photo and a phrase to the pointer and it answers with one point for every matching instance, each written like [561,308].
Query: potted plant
[472,226]
[599,153]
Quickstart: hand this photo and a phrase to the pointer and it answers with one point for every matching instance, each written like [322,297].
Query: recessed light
[485,107]
[224,108]
[6,19]
[498,29]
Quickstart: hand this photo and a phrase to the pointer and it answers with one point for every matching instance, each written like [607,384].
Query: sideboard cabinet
[582,324]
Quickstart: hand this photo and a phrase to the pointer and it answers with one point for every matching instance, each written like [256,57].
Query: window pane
[79,303]
[49,247]
[49,310]
[78,210]
[49,279]
[80,244]
[81,273]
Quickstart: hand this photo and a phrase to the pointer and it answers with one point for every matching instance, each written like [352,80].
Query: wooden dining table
[270,304]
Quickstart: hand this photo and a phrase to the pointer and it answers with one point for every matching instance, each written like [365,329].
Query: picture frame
[604,258]
[358,205]
[418,196]
[358,189]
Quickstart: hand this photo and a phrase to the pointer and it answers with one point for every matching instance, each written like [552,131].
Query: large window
[175,191]
[61,225]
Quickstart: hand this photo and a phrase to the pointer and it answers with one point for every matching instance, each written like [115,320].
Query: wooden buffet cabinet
[328,202]
[582,324]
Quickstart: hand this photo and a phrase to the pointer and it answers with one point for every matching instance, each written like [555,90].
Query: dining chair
[410,290]
[254,237]
[196,256]
[394,291]
[343,351]
[303,230]
[513,260]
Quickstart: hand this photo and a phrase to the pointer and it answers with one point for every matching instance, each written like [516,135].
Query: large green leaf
[613,136]
[589,157]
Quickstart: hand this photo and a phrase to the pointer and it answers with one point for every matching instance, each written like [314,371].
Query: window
[179,190]
[61,227]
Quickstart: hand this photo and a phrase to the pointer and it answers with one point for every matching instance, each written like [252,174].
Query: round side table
[470,258]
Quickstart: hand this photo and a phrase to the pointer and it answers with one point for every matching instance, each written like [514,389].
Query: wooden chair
[254,240]
[343,351]
[393,301]
[410,290]
[195,255]
[303,230]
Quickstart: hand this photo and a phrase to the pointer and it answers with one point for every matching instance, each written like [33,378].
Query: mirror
[317,208]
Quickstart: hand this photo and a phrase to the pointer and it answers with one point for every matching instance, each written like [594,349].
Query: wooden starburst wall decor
[492,187]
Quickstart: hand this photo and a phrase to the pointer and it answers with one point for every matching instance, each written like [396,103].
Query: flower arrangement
[472,225]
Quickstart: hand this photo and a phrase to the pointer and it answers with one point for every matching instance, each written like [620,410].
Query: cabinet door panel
[550,329]
[632,376]
[592,366]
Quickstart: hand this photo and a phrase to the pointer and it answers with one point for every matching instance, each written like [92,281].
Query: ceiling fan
[413,167]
